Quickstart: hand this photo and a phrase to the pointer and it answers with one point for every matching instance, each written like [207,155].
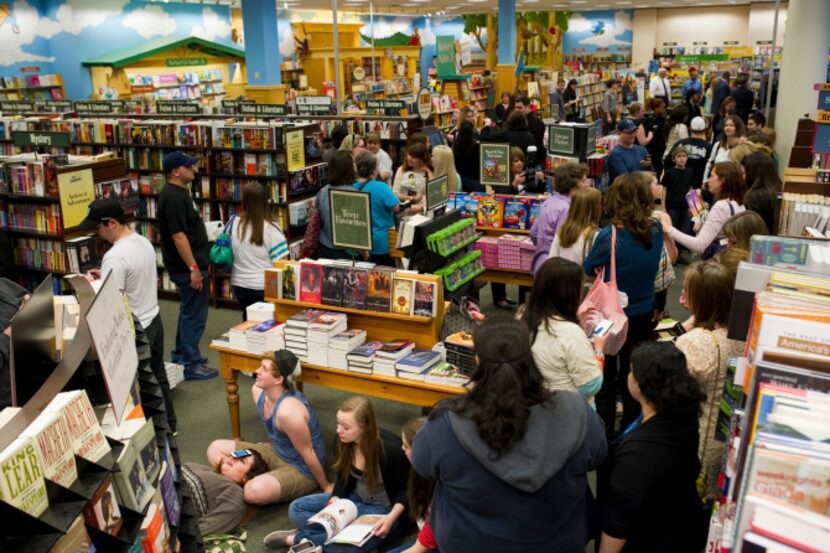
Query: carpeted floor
[202,409]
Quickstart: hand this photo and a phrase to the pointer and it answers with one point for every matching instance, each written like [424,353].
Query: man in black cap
[184,249]
[131,261]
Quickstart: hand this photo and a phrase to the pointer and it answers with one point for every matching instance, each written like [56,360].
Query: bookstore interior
[411,166]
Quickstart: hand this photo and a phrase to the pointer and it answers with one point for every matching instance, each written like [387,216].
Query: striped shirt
[249,260]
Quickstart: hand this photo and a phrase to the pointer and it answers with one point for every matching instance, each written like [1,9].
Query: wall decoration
[589,31]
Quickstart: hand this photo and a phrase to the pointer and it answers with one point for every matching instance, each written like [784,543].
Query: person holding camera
[523,176]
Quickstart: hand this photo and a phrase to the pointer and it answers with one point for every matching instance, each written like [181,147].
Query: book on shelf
[172,507]
[340,345]
[379,289]
[102,511]
[22,485]
[332,293]
[445,374]
[88,440]
[343,525]
[402,296]
[155,532]
[53,444]
[266,336]
[75,540]
[290,282]
[311,278]
[133,487]
[425,298]
[144,441]
[354,288]
[360,359]
[273,283]
[418,360]
[303,319]
[82,254]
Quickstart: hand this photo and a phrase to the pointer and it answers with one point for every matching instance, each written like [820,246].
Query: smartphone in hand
[602,328]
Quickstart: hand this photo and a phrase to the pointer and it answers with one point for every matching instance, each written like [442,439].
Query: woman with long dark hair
[563,354]
[764,185]
[257,242]
[372,472]
[639,245]
[465,150]
[676,127]
[509,457]
[571,99]
[341,173]
[650,502]
[733,131]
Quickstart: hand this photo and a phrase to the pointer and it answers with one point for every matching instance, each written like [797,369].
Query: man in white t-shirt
[131,261]
[659,86]
[384,161]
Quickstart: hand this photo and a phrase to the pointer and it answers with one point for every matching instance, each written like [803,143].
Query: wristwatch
[194,267]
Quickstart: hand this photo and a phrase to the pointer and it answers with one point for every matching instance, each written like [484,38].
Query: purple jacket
[553,213]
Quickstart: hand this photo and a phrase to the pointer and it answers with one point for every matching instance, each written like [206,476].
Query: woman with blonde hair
[257,242]
[576,237]
[372,472]
[443,162]
[741,150]
[353,143]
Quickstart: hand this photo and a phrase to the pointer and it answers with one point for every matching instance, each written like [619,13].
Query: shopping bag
[221,253]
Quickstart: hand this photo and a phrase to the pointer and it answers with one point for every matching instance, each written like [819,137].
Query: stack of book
[340,345]
[237,335]
[445,374]
[321,329]
[415,365]
[391,352]
[460,353]
[296,332]
[360,359]
[265,336]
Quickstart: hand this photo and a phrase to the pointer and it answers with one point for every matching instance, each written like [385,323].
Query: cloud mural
[212,26]
[150,21]
[589,30]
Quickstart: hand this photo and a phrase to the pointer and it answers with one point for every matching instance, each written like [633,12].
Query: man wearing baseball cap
[131,262]
[698,149]
[184,249]
[692,83]
[627,157]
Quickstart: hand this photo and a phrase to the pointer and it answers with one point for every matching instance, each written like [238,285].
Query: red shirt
[426,537]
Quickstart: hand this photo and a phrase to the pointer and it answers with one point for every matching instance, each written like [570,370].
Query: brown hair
[730,258]
[634,108]
[370,444]
[418,138]
[372,138]
[629,205]
[741,228]
[726,101]
[708,288]
[419,489]
[419,151]
[740,130]
[516,121]
[733,186]
[256,212]
[258,466]
[583,216]
[568,176]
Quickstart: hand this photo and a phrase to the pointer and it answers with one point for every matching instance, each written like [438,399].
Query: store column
[803,65]
[506,68]
[262,52]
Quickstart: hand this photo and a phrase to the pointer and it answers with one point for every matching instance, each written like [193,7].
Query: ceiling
[451,7]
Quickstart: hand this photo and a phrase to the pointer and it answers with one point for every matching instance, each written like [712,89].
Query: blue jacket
[533,497]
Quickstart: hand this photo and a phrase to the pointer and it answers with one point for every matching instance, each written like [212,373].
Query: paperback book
[354,288]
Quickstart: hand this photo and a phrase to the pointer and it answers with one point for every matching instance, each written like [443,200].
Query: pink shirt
[718,215]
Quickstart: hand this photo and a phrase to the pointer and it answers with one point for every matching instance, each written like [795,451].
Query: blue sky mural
[599,29]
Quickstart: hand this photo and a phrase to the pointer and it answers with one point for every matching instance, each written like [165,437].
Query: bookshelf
[32,87]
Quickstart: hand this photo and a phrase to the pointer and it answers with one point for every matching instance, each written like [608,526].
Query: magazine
[342,524]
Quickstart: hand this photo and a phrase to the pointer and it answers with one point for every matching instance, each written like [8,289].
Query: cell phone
[602,328]
[241,453]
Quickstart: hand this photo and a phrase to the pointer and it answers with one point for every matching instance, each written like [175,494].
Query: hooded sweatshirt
[532,497]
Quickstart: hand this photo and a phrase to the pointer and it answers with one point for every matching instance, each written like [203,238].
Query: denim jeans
[193,312]
[246,297]
[407,546]
[304,508]
[155,334]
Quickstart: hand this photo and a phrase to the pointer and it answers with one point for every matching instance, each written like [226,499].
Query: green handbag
[221,253]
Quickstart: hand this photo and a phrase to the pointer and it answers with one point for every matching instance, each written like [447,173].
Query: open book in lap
[342,524]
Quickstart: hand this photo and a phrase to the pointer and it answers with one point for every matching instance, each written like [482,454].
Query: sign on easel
[495,164]
[295,149]
[424,103]
[112,335]
[351,219]
[77,191]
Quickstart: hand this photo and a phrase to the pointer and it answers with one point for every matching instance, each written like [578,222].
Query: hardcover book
[102,511]
[354,288]
[290,276]
[402,296]
[379,289]
[311,278]
[88,440]
[426,297]
[332,285]
[131,483]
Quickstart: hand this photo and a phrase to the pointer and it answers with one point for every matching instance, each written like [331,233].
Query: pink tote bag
[603,302]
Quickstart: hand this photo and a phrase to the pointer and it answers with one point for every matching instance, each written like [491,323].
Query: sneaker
[200,373]
[306,546]
[278,538]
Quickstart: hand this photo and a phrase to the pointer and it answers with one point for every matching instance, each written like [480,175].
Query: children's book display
[497,210]
[508,251]
[775,414]
[453,238]
[462,271]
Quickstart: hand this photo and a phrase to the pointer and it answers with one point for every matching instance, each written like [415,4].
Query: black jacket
[537,128]
[394,469]
[744,101]
[652,498]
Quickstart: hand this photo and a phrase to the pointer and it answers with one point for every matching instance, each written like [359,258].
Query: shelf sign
[424,103]
[314,105]
[93,106]
[821,141]
[730,42]
[30,69]
[823,117]
[178,108]
[6,107]
[763,42]
[41,138]
[561,140]
[132,105]
[232,106]
[603,49]
[142,89]
[389,107]
[697,58]
[824,99]
[278,110]
[181,62]
[351,219]
[700,43]
[669,44]
[58,105]
[295,149]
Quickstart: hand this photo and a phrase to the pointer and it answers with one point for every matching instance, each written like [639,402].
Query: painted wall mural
[590,31]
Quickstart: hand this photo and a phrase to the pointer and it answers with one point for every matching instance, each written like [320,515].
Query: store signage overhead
[700,43]
[41,138]
[232,106]
[314,105]
[730,42]
[142,89]
[178,108]
[669,44]
[182,62]
[262,109]
[93,106]
[389,107]
[61,105]
[7,107]
[697,58]
[763,42]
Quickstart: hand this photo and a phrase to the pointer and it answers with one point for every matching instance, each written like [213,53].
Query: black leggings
[616,375]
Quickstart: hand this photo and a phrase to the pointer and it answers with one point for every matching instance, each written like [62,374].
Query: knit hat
[288,365]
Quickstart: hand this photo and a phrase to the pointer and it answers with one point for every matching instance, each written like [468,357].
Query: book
[88,440]
[75,540]
[342,524]
[332,285]
[302,319]
[418,360]
[329,321]
[444,373]
[102,511]
[53,444]
[379,289]
[21,477]
[311,278]
[144,442]
[290,276]
[172,507]
[131,483]
[354,288]
[348,339]
[515,212]
[273,283]
[402,296]
[155,532]
[425,298]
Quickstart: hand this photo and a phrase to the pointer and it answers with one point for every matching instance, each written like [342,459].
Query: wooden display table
[507,276]
[232,362]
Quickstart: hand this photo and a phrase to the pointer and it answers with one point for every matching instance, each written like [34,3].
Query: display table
[232,362]
[507,276]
